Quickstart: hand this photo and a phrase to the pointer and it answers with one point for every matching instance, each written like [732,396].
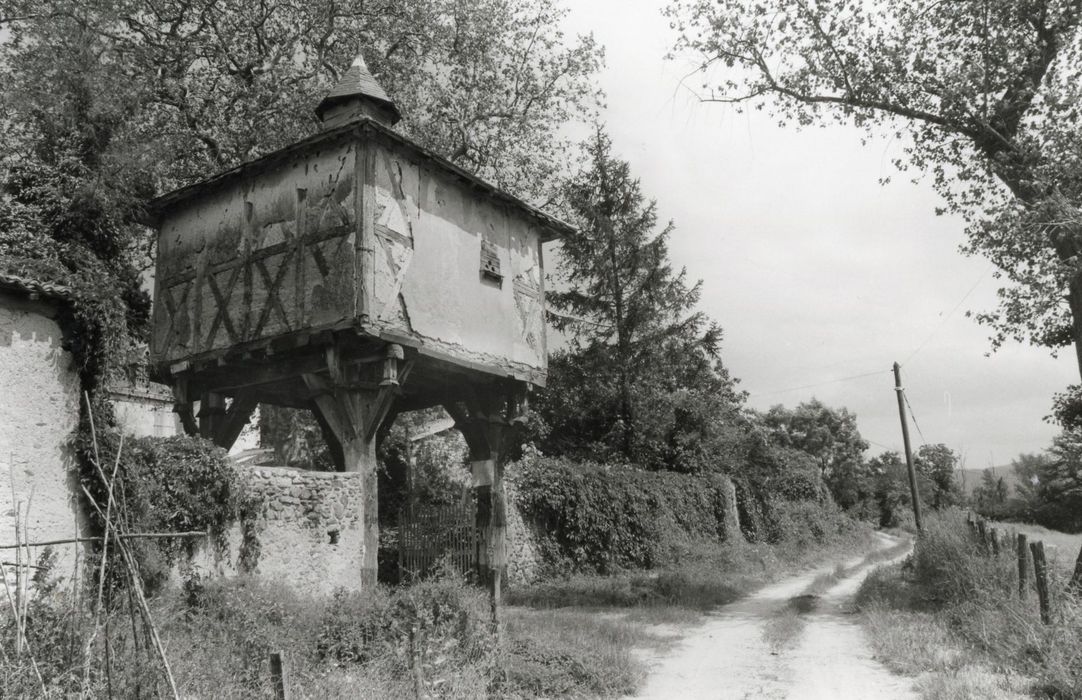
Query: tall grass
[953,610]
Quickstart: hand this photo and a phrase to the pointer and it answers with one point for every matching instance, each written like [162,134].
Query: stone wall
[144,409]
[39,409]
[307,533]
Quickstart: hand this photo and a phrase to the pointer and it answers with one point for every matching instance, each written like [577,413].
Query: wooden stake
[278,676]
[908,450]
[1023,574]
[1040,571]
[1076,579]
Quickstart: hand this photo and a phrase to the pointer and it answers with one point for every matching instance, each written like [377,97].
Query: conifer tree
[641,375]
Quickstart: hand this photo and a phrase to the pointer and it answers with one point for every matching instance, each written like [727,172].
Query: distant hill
[970,479]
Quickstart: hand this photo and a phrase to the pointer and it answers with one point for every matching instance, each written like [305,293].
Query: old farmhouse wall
[39,411]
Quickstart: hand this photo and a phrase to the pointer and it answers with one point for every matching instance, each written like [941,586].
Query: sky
[816,272]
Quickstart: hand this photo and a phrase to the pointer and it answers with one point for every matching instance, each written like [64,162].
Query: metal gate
[430,535]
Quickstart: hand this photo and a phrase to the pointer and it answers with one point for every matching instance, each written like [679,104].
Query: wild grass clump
[562,653]
[954,608]
[433,639]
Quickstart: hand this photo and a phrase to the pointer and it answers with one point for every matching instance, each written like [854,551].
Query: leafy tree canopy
[200,85]
[938,463]
[830,436]
[985,93]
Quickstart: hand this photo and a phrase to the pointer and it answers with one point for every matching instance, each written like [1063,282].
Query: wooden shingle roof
[357,82]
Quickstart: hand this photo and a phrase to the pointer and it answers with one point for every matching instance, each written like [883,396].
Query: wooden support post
[982,534]
[182,406]
[1040,572]
[487,423]
[354,416]
[994,535]
[1023,574]
[234,419]
[1076,578]
[211,414]
[278,676]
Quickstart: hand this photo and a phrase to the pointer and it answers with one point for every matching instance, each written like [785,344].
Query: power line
[817,384]
[949,314]
[915,423]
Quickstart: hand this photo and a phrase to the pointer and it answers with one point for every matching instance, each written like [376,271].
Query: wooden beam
[337,419]
[383,402]
[235,419]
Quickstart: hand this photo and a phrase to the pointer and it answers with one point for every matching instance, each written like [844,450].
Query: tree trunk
[1074,301]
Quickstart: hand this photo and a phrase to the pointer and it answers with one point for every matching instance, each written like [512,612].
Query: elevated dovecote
[355,274]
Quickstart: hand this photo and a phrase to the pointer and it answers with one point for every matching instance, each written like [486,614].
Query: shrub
[598,517]
[173,484]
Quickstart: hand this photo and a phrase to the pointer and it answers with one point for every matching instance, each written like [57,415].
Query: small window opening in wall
[332,535]
[490,263]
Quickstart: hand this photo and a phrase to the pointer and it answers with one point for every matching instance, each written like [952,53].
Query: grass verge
[951,616]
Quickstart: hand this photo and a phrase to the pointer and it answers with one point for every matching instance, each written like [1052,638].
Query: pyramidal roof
[358,83]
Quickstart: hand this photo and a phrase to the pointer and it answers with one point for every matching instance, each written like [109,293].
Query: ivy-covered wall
[303,530]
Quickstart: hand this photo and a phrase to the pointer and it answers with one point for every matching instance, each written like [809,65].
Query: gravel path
[729,657]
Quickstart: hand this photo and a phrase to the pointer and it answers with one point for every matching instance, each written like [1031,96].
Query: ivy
[603,517]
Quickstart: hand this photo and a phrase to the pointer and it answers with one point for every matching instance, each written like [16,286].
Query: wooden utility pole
[908,450]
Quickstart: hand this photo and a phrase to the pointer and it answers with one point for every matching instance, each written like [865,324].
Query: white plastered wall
[39,409]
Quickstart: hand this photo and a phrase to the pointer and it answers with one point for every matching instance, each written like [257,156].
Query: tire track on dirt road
[730,657]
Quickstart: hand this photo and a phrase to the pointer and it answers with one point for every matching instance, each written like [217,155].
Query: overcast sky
[815,271]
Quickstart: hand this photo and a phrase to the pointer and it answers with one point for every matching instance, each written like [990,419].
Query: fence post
[1076,578]
[982,533]
[415,665]
[278,676]
[1023,574]
[995,542]
[1040,571]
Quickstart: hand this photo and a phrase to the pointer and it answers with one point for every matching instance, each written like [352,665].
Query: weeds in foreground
[953,611]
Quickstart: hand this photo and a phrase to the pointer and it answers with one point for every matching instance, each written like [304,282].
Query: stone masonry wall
[307,535]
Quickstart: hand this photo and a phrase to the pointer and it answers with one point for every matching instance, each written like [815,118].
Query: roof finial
[356,96]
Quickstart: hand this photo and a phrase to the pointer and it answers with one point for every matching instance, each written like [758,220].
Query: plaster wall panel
[38,415]
[450,304]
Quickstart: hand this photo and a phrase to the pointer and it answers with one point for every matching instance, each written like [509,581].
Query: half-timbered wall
[413,250]
[260,257]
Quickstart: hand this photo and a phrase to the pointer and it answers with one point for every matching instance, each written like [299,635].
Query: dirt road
[736,654]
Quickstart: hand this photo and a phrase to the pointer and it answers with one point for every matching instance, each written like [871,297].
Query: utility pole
[908,450]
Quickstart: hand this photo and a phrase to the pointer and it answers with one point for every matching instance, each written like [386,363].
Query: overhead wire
[818,384]
[950,313]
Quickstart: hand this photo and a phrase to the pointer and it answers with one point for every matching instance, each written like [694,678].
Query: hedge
[601,517]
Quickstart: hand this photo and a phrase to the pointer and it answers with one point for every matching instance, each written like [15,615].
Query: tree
[986,93]
[641,376]
[1028,468]
[831,437]
[991,492]
[201,85]
[891,487]
[937,463]
[1057,484]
